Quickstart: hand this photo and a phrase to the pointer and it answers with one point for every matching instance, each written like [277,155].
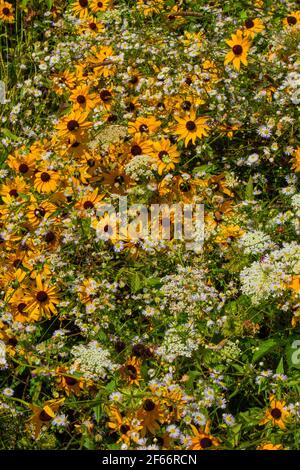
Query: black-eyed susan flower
[253,27]
[6,12]
[46,181]
[126,427]
[97,6]
[13,188]
[277,414]
[240,46]
[270,446]
[39,211]
[150,415]
[82,98]
[81,8]
[22,164]
[67,382]
[292,20]
[166,155]
[74,126]
[190,127]
[43,415]
[202,439]
[131,371]
[296,160]
[89,202]
[41,300]
[91,25]
[144,125]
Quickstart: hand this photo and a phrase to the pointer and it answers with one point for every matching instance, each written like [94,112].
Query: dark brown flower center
[83,3]
[17,263]
[249,23]
[70,381]
[45,177]
[136,150]
[144,128]
[186,105]
[191,126]
[39,212]
[75,145]
[292,20]
[119,179]
[80,99]
[21,307]
[276,413]
[91,162]
[93,26]
[185,187]
[88,205]
[43,416]
[134,80]
[13,192]
[100,4]
[124,428]
[6,11]
[163,154]
[72,125]
[50,237]
[237,49]
[42,296]
[205,443]
[132,372]
[105,96]
[149,405]
[188,81]
[23,168]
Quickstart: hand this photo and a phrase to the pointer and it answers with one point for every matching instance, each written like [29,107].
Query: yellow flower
[42,416]
[270,446]
[190,127]
[46,181]
[74,126]
[82,98]
[296,160]
[252,27]
[143,125]
[38,212]
[150,415]
[81,8]
[41,300]
[276,414]
[203,439]
[240,45]
[131,371]
[88,202]
[97,6]
[292,20]
[6,12]
[166,155]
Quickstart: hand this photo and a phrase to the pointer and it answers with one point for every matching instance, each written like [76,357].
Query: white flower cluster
[270,275]
[290,87]
[179,340]
[141,166]
[3,362]
[186,291]
[296,203]
[93,361]
[256,242]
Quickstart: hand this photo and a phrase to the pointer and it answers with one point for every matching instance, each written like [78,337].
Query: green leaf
[249,189]
[264,348]
[280,368]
